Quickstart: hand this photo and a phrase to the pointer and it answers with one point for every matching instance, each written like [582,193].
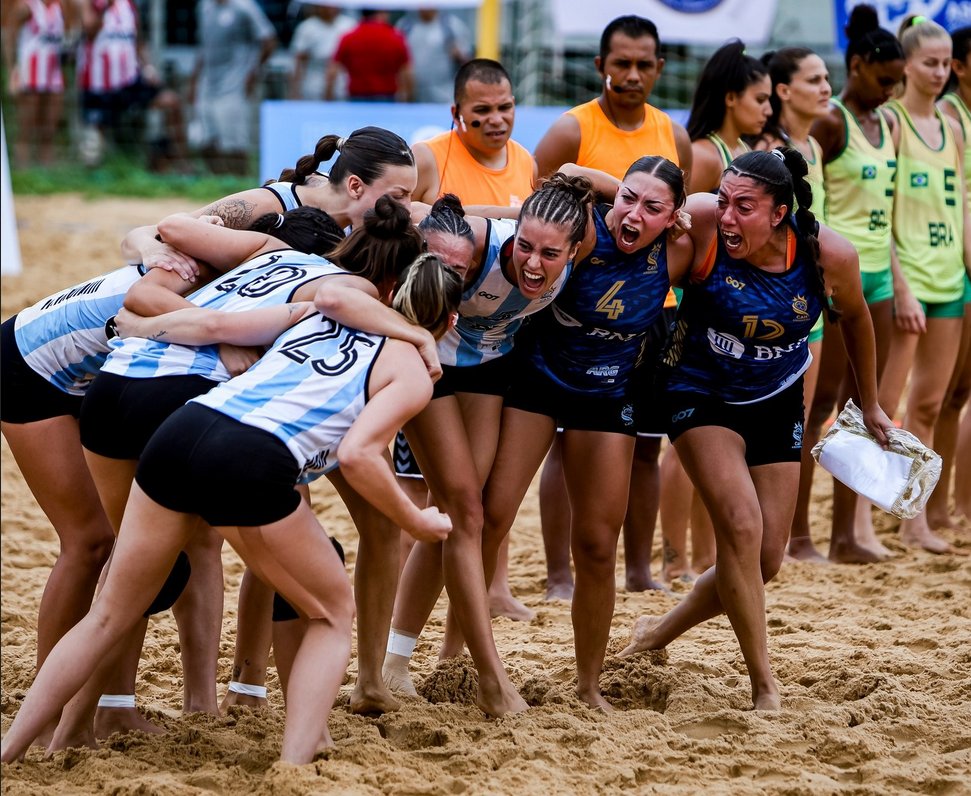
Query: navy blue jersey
[741,331]
[593,338]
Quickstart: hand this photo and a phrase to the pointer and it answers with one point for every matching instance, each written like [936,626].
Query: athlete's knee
[959,397]
[173,587]
[738,530]
[466,512]
[771,561]
[924,410]
[596,555]
[90,548]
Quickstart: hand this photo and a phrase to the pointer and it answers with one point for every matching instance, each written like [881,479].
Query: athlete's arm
[161,291]
[199,326]
[222,247]
[841,270]
[685,153]
[830,133]
[706,171]
[959,137]
[353,301]
[429,181]
[560,144]
[400,389]
[237,211]
[604,184]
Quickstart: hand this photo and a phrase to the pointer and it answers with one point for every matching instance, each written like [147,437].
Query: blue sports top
[306,390]
[592,340]
[741,331]
[267,280]
[63,338]
[492,308]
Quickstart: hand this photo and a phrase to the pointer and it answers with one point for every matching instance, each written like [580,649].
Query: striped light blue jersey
[265,281]
[286,193]
[307,390]
[62,337]
[492,309]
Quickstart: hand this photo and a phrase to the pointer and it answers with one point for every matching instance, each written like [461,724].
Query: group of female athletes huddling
[166,406]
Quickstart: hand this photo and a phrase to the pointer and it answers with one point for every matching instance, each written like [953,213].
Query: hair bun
[388,219]
[863,20]
[448,202]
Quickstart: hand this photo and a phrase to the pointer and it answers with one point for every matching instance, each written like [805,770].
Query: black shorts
[26,395]
[120,414]
[405,464]
[106,108]
[771,429]
[650,417]
[203,462]
[533,391]
[489,378]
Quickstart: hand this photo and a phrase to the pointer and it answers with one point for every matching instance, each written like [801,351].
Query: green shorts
[944,309]
[967,288]
[877,286]
[816,333]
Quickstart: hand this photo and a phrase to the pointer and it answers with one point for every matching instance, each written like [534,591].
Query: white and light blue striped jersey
[268,280]
[286,192]
[307,390]
[62,337]
[492,309]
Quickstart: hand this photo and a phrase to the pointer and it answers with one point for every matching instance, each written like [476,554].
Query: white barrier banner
[9,244]
[680,21]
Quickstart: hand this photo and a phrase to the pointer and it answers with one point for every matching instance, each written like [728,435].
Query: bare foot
[852,553]
[559,590]
[642,636]
[801,548]
[508,606]
[396,675]
[373,701]
[940,521]
[642,581]
[108,721]
[915,533]
[679,574]
[499,700]
[241,700]
[595,700]
[770,700]
[82,740]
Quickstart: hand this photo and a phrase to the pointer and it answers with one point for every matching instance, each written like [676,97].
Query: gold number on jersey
[610,306]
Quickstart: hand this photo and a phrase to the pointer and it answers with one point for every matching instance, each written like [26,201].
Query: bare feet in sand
[916,533]
[373,702]
[559,590]
[504,604]
[643,581]
[108,721]
[396,675]
[678,575]
[768,700]
[801,548]
[852,553]
[497,700]
[241,700]
[642,636]
[595,700]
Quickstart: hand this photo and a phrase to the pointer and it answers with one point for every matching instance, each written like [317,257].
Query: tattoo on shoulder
[235,213]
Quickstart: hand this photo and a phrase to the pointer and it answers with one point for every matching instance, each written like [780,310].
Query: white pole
[9,244]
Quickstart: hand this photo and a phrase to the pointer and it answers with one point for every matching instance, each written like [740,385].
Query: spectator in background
[235,40]
[376,59]
[33,42]
[116,77]
[314,42]
[439,45]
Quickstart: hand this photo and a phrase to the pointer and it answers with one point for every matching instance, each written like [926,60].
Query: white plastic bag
[898,480]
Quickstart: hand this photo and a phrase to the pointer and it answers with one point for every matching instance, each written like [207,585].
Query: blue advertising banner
[952,14]
[290,129]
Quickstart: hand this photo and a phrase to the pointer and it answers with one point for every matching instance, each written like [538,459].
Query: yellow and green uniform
[860,192]
[964,117]
[928,219]
[817,180]
[724,152]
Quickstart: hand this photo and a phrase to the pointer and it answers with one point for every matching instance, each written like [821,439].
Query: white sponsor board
[681,21]
[9,244]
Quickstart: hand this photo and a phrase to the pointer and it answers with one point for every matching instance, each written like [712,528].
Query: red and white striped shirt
[39,47]
[110,61]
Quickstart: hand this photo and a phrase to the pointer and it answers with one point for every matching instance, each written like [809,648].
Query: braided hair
[782,172]
[447,217]
[367,153]
[561,200]
[305,229]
